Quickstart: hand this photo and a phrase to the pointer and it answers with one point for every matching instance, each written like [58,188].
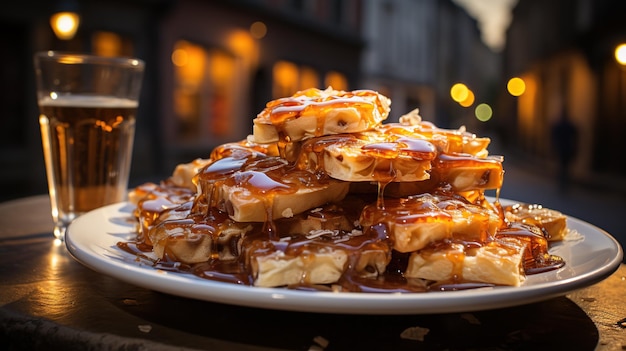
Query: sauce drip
[371,235]
[195,233]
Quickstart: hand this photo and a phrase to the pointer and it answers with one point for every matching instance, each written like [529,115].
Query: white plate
[590,257]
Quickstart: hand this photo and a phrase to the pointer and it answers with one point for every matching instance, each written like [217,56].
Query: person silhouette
[565,140]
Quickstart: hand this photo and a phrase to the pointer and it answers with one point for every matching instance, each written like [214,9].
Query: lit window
[111,44]
[308,78]
[203,97]
[285,78]
[288,78]
[336,80]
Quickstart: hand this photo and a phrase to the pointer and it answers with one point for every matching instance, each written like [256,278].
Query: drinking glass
[88,106]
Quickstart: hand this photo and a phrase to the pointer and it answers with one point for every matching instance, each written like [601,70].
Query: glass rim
[67,57]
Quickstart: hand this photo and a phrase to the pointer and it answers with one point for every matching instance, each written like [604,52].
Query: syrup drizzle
[358,226]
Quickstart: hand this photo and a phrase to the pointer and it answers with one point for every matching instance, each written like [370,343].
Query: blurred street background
[546,80]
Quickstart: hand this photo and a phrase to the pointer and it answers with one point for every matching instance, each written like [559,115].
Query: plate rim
[189,286]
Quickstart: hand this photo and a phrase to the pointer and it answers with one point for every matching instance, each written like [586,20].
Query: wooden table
[49,301]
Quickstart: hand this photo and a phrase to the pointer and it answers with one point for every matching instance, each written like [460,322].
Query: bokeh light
[459,92]
[180,57]
[65,24]
[469,100]
[258,30]
[620,54]
[483,112]
[516,86]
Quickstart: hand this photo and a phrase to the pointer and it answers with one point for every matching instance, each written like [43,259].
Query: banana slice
[313,112]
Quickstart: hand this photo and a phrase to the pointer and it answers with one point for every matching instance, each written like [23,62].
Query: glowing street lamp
[65,24]
[65,20]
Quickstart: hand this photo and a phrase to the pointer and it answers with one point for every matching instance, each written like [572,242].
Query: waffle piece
[417,221]
[324,266]
[369,156]
[141,191]
[193,239]
[465,172]
[458,141]
[154,199]
[317,246]
[259,188]
[245,147]
[462,159]
[496,262]
[552,222]
[394,153]
[320,257]
[338,216]
[313,112]
[537,259]
[183,173]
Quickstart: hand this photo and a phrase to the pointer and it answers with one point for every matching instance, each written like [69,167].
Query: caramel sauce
[314,102]
[415,148]
[159,199]
[359,226]
[537,259]
[413,210]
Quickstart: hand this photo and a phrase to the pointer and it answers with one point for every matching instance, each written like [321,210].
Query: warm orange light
[309,78]
[336,80]
[190,61]
[221,68]
[258,30]
[107,44]
[242,44]
[459,92]
[516,86]
[286,77]
[65,24]
[180,57]
[469,99]
[527,106]
[620,54]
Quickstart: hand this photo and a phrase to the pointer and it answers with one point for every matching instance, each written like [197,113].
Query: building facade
[416,50]
[564,50]
[212,65]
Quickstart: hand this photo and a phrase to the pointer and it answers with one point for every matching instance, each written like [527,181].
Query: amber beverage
[87,129]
